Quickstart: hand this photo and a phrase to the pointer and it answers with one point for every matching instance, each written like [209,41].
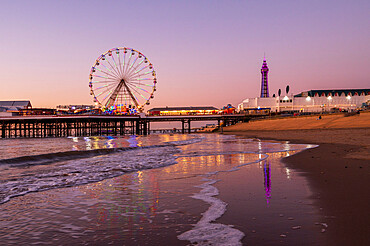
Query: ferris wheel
[122,80]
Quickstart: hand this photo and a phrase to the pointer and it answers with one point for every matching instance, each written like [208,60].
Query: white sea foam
[205,232]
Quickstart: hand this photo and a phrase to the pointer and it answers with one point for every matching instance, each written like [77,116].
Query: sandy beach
[337,170]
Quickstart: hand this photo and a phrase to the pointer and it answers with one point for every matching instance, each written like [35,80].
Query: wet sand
[337,170]
[156,206]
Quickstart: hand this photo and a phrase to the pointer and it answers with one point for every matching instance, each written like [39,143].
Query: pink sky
[204,52]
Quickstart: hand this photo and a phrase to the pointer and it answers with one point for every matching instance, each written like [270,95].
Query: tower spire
[264,81]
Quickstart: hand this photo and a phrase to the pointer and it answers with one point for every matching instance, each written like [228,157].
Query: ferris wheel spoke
[104,77]
[105,81]
[102,92]
[110,92]
[117,74]
[136,89]
[108,74]
[111,72]
[119,64]
[140,79]
[132,70]
[141,69]
[100,87]
[130,67]
[105,88]
[124,62]
[139,94]
[140,84]
[119,60]
[117,67]
[128,63]
[142,89]
[141,74]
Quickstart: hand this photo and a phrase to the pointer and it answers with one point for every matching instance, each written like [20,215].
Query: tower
[264,82]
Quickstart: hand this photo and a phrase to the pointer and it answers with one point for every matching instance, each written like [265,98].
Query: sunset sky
[205,52]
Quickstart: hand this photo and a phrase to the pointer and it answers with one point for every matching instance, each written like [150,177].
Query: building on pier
[208,110]
[37,111]
[75,109]
[11,108]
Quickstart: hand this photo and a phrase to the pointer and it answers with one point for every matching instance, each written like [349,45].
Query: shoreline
[337,172]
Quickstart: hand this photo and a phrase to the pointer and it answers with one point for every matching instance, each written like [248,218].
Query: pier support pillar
[137,128]
[145,126]
[3,131]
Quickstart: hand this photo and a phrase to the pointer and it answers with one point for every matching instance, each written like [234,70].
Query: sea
[162,189]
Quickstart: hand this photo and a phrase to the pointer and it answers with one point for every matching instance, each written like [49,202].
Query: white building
[310,101]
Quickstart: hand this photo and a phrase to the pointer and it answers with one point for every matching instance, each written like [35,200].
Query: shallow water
[117,197]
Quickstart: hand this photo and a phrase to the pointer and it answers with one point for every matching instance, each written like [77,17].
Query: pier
[97,125]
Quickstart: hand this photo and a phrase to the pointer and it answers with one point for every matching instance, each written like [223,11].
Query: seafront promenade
[97,125]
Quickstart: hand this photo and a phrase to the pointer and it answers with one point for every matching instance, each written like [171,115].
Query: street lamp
[329,99]
[349,100]
[308,99]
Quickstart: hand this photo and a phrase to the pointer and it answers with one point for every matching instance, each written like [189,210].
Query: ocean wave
[44,159]
[83,171]
[72,168]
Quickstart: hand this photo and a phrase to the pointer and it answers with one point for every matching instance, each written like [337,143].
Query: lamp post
[308,99]
[329,99]
[349,101]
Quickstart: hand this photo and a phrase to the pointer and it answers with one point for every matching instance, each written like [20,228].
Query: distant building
[16,104]
[183,111]
[307,101]
[310,101]
[10,108]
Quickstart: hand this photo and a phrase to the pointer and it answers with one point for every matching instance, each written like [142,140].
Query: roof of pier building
[16,104]
[341,92]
